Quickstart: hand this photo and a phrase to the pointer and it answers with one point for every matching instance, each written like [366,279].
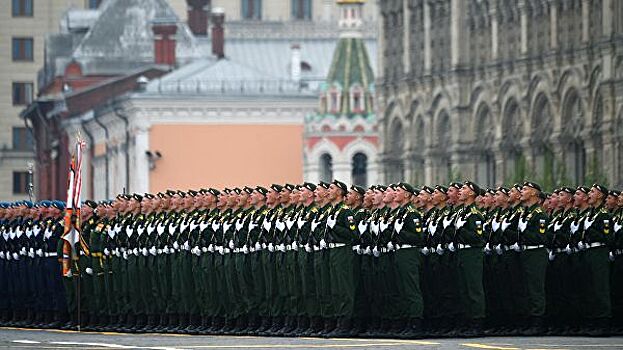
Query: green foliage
[595,173]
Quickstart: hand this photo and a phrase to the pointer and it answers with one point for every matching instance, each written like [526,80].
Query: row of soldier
[322,260]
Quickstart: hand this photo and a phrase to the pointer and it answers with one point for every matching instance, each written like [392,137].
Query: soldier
[615,199]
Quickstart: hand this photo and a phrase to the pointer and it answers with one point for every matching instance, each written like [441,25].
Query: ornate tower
[341,140]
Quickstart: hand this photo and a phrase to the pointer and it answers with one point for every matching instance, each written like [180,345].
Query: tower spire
[351,18]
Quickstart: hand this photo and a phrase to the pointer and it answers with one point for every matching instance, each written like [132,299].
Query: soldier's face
[453,195]
[595,197]
[580,198]
[388,196]
[621,200]
[612,201]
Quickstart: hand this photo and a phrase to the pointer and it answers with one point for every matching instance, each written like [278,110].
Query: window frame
[19,44]
[302,10]
[22,139]
[25,99]
[251,10]
[19,176]
[21,9]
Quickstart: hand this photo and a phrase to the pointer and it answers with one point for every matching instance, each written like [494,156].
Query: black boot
[535,327]
[275,326]
[373,328]
[218,323]
[265,323]
[242,323]
[315,326]
[172,323]
[343,329]
[599,328]
[330,323]
[288,326]
[302,324]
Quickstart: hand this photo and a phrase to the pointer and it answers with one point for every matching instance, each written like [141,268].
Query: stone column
[493,14]
[406,36]
[458,33]
[138,161]
[607,18]
[553,26]
[342,171]
[427,49]
[586,6]
[523,17]
[381,49]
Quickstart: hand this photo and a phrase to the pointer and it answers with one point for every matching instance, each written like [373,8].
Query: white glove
[451,247]
[211,248]
[323,244]
[196,251]
[611,256]
[176,246]
[258,246]
[89,271]
[135,251]
[568,249]
[487,249]
[271,248]
[39,252]
[439,249]
[221,250]
[23,251]
[498,249]
[581,245]
[390,245]
[245,249]
[204,249]
[153,251]
[144,251]
[425,251]
[308,248]
[31,253]
[15,256]
[70,274]
[295,245]
[186,246]
[516,247]
[331,221]
[125,255]
[551,256]
[166,249]
[281,247]
[231,244]
[2,255]
[356,248]
[376,252]
[367,251]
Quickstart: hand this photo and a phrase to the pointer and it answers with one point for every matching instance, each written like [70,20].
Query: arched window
[512,132]
[326,168]
[334,101]
[395,164]
[356,99]
[444,137]
[485,161]
[541,127]
[573,125]
[360,170]
[302,9]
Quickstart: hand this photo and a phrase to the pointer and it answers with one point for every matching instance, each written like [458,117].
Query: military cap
[248,189]
[90,203]
[601,189]
[456,185]
[442,189]
[474,187]
[192,193]
[181,193]
[261,190]
[341,185]
[358,189]
[137,197]
[4,205]
[310,186]
[566,190]
[162,195]
[227,190]
[149,196]
[58,204]
[533,185]
[503,190]
[171,193]
[427,189]
[381,188]
[289,187]
[584,189]
[518,186]
[276,187]
[614,193]
[324,184]
[214,192]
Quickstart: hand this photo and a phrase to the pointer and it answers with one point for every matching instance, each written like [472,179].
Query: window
[302,9]
[326,168]
[22,139]
[356,100]
[93,4]
[334,101]
[22,93]
[360,170]
[20,182]
[252,9]
[22,49]
[22,8]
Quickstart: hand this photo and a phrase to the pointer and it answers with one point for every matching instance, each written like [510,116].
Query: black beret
[474,187]
[137,197]
[457,185]
[517,186]
[171,193]
[324,184]
[584,189]
[442,189]
[504,190]
[261,190]
[91,203]
[381,188]
[214,192]
[149,196]
[533,185]
[192,193]
[248,189]
[290,187]
[161,195]
[566,189]
[341,185]
[614,193]
[427,189]
[276,187]
[310,186]
[601,189]
[358,189]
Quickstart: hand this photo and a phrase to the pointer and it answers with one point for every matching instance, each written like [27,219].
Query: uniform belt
[618,252]
[594,245]
[288,247]
[336,245]
[51,255]
[463,246]
[531,247]
[237,250]
[406,246]
[383,250]
[316,248]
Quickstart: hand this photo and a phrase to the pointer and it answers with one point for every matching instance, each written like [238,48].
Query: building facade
[501,90]
[341,138]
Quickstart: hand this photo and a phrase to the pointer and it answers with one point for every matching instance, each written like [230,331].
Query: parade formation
[322,260]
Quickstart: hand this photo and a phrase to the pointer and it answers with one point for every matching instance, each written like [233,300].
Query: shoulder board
[475,210]
[604,210]
[314,209]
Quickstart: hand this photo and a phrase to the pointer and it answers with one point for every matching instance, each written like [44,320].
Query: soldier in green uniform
[615,205]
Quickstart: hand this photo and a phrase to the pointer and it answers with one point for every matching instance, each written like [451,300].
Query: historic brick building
[499,90]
